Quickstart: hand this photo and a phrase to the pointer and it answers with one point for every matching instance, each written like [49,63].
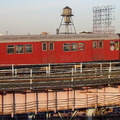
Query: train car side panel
[73,51]
[111,50]
[20,53]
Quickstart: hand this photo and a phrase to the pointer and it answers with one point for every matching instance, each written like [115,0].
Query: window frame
[116,45]
[81,46]
[67,45]
[100,45]
[20,51]
[44,46]
[94,44]
[25,51]
[11,48]
[51,47]
[74,45]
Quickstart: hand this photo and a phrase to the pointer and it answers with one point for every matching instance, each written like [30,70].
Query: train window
[51,46]
[44,46]
[73,46]
[116,45]
[10,49]
[19,49]
[66,47]
[94,44]
[112,43]
[28,48]
[100,44]
[81,46]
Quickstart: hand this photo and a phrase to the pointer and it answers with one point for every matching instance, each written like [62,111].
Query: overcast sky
[36,16]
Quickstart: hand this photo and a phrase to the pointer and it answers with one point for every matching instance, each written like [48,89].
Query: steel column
[73,107]
[2,102]
[55,101]
[36,111]
[13,104]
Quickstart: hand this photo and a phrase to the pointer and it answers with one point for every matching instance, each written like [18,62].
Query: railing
[62,104]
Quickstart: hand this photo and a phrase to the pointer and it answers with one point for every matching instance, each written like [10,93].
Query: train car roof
[70,37]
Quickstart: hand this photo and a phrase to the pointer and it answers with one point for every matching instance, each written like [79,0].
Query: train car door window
[94,44]
[28,48]
[19,49]
[100,44]
[44,46]
[116,45]
[66,47]
[73,46]
[10,49]
[51,46]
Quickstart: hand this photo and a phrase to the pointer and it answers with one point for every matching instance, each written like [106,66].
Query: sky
[36,16]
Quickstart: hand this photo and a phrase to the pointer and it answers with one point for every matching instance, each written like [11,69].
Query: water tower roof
[67,7]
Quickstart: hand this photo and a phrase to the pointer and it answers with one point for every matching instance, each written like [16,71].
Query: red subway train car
[42,49]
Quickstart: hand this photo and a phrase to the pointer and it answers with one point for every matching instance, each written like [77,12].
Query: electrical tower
[103,17]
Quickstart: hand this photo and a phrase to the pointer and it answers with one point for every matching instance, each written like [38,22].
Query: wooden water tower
[67,25]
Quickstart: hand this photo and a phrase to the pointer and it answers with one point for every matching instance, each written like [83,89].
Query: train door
[98,50]
[48,52]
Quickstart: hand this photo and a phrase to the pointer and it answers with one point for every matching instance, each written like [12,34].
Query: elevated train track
[52,88]
[60,76]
